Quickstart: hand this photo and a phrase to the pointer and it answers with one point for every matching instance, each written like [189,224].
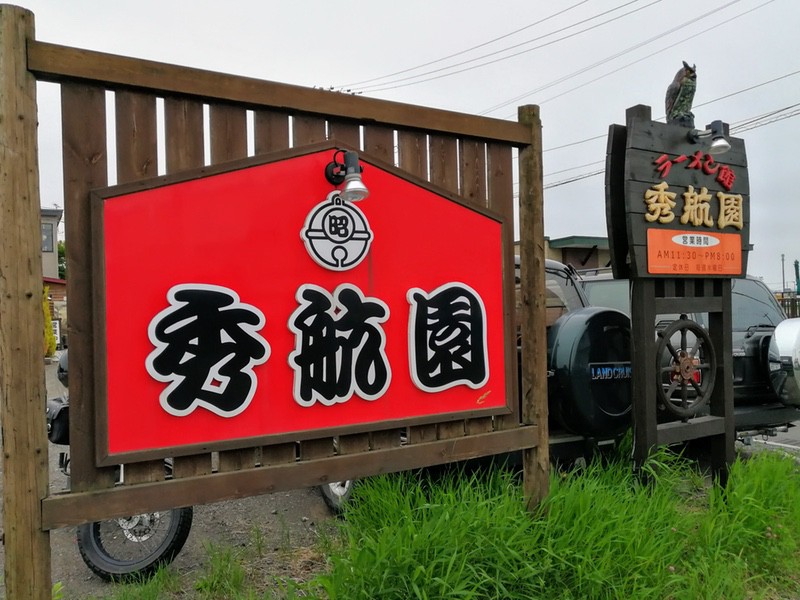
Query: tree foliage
[49,336]
[62,260]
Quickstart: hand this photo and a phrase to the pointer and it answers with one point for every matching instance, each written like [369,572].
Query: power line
[725,97]
[660,36]
[617,70]
[386,86]
[596,162]
[746,125]
[497,39]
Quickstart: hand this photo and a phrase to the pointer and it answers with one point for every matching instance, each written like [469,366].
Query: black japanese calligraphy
[447,338]
[339,346]
[206,348]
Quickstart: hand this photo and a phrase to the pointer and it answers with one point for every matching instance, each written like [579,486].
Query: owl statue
[680,95]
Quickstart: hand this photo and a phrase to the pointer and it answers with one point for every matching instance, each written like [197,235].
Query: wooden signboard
[272,308]
[673,208]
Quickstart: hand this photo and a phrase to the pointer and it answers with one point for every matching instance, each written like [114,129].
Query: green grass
[601,534]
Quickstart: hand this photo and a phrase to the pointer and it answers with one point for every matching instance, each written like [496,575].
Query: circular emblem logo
[336,234]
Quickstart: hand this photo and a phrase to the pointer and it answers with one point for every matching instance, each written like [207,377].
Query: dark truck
[588,357]
[588,361]
[589,368]
[763,339]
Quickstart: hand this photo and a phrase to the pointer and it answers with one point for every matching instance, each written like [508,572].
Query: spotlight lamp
[716,132]
[349,173]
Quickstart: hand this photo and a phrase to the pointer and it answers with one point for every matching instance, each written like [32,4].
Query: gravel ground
[277,531]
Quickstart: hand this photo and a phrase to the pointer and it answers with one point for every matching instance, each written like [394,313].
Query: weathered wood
[72,509]
[500,189]
[418,434]
[654,137]
[451,429]
[308,129]
[641,165]
[137,144]
[643,365]
[387,438]
[228,129]
[615,201]
[349,444]
[379,142]
[22,391]
[536,461]
[51,62]
[316,115]
[85,166]
[443,152]
[271,131]
[472,173]
[228,126]
[412,150]
[444,161]
[137,158]
[278,453]
[190,466]
[472,156]
[720,329]
[320,448]
[347,132]
[183,130]
[699,427]
[664,306]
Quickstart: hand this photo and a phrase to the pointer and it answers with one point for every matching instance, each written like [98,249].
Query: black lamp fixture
[715,131]
[349,173]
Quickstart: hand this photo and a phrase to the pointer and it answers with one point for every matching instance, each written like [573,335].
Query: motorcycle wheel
[134,547]
[337,494]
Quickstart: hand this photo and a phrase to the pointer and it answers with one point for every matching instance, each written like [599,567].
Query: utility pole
[783,277]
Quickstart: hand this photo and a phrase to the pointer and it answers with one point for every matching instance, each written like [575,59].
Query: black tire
[337,494]
[134,547]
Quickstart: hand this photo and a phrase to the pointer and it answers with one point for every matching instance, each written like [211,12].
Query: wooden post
[22,387]
[536,464]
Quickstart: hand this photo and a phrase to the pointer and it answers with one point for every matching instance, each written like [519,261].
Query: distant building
[580,251]
[51,217]
[56,287]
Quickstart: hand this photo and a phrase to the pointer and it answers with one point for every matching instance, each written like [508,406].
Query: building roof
[580,241]
[53,213]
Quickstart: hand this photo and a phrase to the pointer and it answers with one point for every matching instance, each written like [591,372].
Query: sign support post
[22,391]
[534,345]
[678,222]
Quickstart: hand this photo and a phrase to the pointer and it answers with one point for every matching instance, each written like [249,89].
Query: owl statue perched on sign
[680,95]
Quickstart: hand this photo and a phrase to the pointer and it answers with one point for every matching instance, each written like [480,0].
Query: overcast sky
[583,61]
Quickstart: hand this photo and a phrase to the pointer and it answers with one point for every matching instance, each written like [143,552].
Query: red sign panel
[256,302]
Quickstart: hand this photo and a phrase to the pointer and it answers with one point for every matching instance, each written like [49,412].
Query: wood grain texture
[137,158]
[51,62]
[449,148]
[534,409]
[271,131]
[85,166]
[500,191]
[25,479]
[183,125]
[183,130]
[72,509]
